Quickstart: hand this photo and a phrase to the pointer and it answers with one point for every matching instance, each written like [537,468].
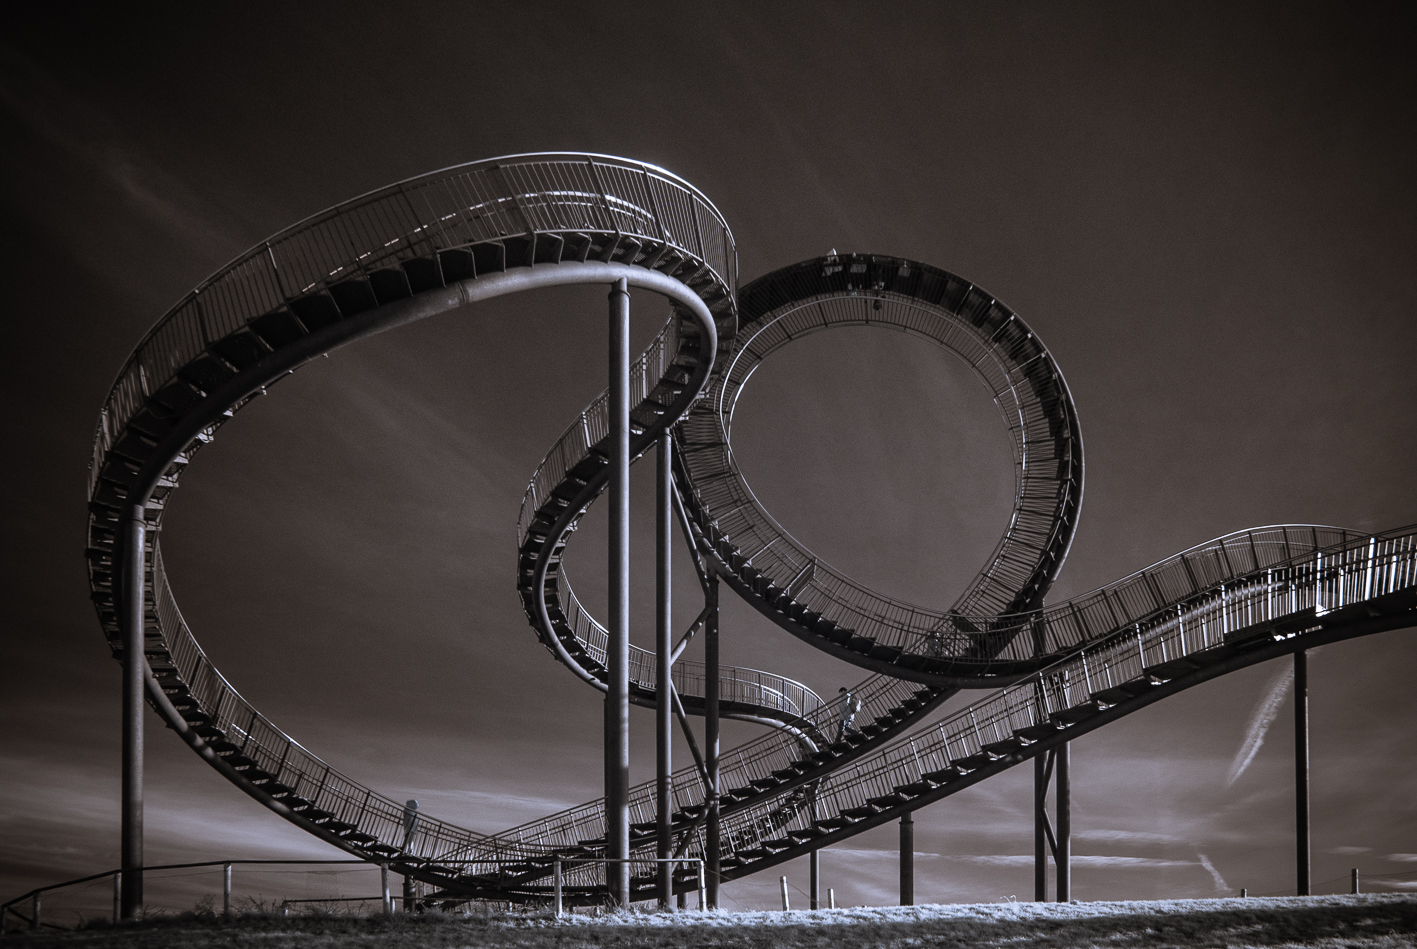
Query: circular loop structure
[978,636]
[452,238]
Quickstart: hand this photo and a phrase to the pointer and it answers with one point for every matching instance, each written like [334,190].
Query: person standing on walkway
[847,705]
[410,823]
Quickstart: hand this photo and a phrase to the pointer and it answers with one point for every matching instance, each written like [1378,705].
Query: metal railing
[486,201]
[647,211]
[35,896]
[1042,472]
[1323,579]
[766,690]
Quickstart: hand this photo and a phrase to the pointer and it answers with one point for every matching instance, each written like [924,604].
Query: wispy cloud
[1128,836]
[1403,857]
[1265,711]
[1083,860]
[1348,851]
[1220,884]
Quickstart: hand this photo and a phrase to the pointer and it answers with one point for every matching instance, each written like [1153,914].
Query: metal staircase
[465,234]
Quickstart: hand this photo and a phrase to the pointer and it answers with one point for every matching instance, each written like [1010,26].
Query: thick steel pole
[815,863]
[1040,837]
[617,696]
[134,608]
[663,720]
[907,859]
[711,850]
[1301,770]
[1064,857]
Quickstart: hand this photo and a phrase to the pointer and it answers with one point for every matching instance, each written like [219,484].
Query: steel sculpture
[462,235]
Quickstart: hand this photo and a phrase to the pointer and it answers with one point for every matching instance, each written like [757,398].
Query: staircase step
[1077,713]
[915,788]
[888,800]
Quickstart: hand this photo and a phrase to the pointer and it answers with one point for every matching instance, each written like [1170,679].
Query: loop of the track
[452,238]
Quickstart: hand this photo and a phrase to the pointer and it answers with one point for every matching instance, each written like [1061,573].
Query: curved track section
[445,240]
[418,248]
[799,591]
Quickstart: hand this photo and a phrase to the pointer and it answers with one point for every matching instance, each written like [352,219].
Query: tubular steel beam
[814,862]
[617,696]
[1063,857]
[711,849]
[1301,770]
[907,859]
[664,756]
[134,666]
[1040,836]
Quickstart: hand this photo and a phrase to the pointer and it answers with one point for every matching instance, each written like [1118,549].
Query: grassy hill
[1351,922]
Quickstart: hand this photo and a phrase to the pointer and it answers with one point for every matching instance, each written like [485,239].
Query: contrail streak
[1220,884]
[1261,718]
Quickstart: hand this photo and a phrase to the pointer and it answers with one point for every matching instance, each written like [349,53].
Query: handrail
[1352,572]
[410,242]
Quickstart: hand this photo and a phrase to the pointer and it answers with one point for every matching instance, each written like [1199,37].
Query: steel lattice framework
[458,236]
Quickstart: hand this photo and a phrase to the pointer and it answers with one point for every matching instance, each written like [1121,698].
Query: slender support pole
[1354,887]
[1301,769]
[134,608]
[1040,835]
[815,862]
[711,672]
[782,884]
[831,897]
[703,899]
[1064,856]
[34,912]
[663,710]
[556,886]
[408,898]
[384,888]
[117,896]
[907,859]
[226,890]
[617,696]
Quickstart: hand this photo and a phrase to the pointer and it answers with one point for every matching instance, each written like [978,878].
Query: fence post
[782,882]
[556,885]
[1355,880]
[117,895]
[226,890]
[34,913]
[703,896]
[831,897]
[384,888]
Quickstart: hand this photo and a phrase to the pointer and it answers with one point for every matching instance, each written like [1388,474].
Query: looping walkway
[445,240]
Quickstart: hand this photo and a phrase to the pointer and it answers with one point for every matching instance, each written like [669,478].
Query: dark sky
[1207,212]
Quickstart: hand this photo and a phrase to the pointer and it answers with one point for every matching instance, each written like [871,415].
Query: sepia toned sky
[1207,213]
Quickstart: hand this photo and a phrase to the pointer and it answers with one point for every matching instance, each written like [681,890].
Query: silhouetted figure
[847,705]
[410,822]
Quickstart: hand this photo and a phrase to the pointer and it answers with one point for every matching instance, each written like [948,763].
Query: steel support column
[134,607]
[664,749]
[1063,857]
[617,695]
[711,673]
[907,859]
[1301,770]
[1040,831]
[814,861]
